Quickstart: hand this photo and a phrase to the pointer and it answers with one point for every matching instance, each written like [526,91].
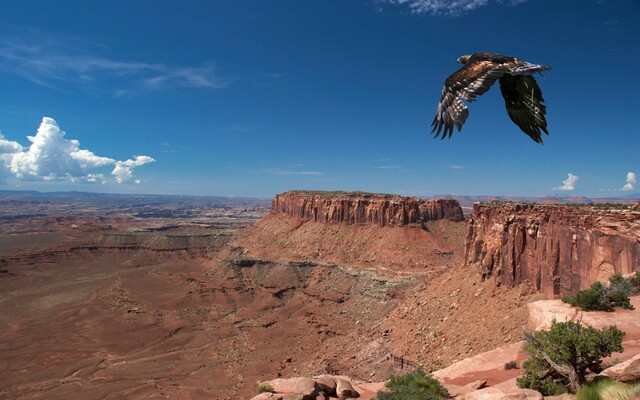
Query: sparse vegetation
[416,385]
[601,298]
[510,365]
[593,390]
[607,389]
[264,387]
[620,391]
[561,357]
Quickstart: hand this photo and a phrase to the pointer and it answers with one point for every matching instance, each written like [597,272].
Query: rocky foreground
[483,376]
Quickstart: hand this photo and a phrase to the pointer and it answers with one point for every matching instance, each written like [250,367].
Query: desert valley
[203,298]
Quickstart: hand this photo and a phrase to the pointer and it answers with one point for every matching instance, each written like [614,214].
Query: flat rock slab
[500,394]
[628,371]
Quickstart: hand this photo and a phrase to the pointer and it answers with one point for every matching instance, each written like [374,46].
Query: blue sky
[253,98]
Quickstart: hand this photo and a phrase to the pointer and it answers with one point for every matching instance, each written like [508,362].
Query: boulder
[628,371]
[326,383]
[344,389]
[305,387]
[503,394]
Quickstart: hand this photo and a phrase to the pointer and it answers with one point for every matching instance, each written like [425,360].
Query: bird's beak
[459,60]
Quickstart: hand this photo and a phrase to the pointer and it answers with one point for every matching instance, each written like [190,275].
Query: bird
[522,95]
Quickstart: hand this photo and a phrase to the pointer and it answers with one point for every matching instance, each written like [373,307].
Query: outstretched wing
[524,102]
[470,81]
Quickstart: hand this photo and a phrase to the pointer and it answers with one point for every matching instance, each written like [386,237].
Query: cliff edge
[364,208]
[559,249]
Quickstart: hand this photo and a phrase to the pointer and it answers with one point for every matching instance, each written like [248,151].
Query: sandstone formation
[502,394]
[628,371]
[559,249]
[364,208]
[320,387]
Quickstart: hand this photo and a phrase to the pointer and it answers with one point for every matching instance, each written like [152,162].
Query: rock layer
[559,249]
[364,208]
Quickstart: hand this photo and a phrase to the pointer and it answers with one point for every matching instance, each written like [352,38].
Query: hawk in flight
[522,95]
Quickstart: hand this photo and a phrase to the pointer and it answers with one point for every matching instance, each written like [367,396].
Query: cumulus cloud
[52,157]
[569,183]
[447,7]
[631,181]
[123,170]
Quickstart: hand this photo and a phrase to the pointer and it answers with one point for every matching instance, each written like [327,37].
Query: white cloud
[447,7]
[123,170]
[52,157]
[8,146]
[569,183]
[631,181]
[89,160]
[46,60]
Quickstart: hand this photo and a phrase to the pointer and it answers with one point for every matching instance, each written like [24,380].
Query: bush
[264,387]
[564,354]
[596,298]
[600,298]
[416,385]
[621,284]
[539,377]
[511,365]
[620,299]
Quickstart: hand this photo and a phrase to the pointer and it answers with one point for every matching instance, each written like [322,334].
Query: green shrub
[264,387]
[539,377]
[596,298]
[510,365]
[620,299]
[565,354]
[621,284]
[416,385]
[600,298]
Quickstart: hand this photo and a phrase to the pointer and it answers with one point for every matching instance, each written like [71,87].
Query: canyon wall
[364,208]
[559,249]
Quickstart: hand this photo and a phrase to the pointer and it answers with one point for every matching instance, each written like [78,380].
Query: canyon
[192,299]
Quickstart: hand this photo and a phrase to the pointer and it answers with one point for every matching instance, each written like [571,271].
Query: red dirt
[104,316]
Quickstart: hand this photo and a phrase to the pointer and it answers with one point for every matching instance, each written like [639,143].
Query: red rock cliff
[559,249]
[364,208]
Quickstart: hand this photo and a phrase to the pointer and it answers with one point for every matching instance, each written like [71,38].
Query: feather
[523,97]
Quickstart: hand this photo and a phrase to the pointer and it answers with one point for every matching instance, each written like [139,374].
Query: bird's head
[463,59]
